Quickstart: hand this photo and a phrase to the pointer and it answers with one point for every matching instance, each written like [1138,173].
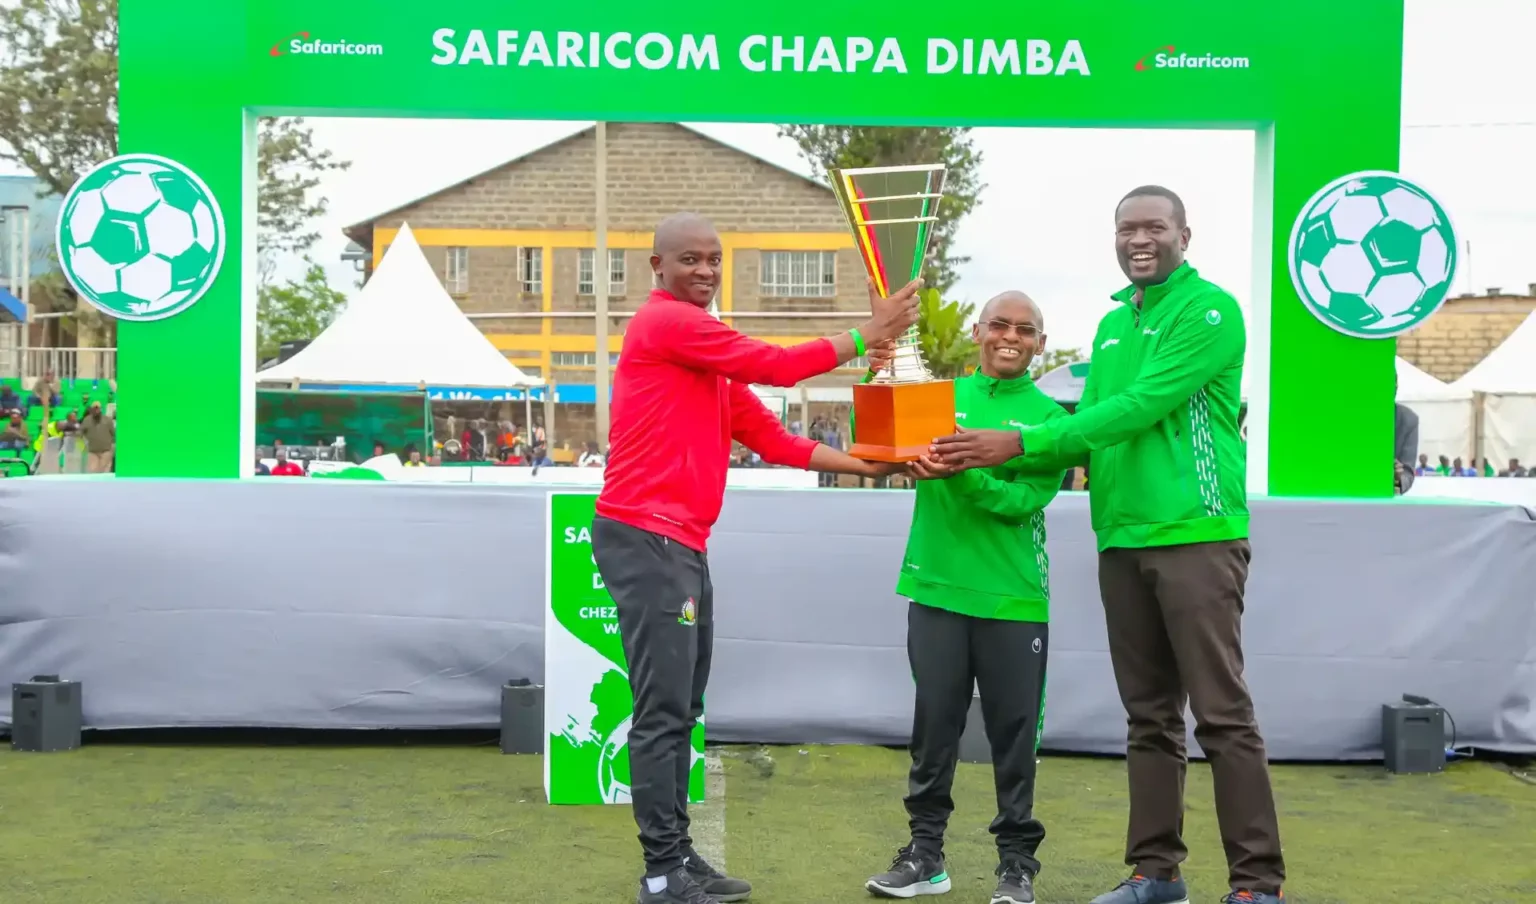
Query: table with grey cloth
[318,604]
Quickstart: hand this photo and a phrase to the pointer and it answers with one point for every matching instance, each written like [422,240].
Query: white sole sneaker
[915,890]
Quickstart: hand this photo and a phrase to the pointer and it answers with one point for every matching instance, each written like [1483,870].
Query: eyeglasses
[1003,328]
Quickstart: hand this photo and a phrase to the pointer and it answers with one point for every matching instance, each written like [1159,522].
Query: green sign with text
[587,702]
[1318,82]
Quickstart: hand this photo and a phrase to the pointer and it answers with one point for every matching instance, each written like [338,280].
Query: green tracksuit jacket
[977,543]
[1158,419]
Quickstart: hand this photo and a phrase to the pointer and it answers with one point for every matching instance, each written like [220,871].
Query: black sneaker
[680,889]
[1145,890]
[715,883]
[1015,883]
[912,873]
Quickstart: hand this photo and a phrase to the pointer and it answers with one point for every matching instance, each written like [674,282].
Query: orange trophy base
[899,421]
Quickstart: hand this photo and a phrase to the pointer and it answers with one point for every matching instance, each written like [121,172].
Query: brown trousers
[1174,615]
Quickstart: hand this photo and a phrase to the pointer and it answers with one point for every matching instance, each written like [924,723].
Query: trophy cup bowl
[892,211]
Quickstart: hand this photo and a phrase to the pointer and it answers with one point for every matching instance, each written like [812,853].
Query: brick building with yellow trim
[1464,331]
[519,239]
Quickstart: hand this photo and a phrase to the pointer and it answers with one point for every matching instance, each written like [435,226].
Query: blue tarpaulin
[12,307]
[578,393]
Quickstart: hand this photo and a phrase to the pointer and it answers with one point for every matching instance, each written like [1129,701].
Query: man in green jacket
[978,579]
[1167,466]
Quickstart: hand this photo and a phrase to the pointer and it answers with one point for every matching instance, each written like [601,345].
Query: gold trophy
[900,410]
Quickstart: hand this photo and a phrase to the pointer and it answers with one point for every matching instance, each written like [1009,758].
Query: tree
[58,86]
[296,310]
[943,335]
[288,168]
[836,147]
[59,114]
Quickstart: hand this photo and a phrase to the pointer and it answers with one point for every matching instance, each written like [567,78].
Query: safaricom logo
[299,44]
[1170,58]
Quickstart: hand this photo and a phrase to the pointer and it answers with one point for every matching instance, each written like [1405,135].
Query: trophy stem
[907,366]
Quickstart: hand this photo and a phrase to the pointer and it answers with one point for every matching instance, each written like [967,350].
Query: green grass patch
[389,825]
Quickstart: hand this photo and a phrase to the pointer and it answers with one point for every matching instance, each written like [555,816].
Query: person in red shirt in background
[285,467]
[680,396]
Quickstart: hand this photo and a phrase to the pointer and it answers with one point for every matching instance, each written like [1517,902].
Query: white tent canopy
[403,329]
[1506,383]
[1445,412]
[1509,369]
[1414,385]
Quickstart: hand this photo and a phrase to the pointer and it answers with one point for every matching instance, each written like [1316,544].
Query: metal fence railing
[28,364]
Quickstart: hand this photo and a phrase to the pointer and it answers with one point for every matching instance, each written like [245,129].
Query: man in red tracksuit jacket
[680,396]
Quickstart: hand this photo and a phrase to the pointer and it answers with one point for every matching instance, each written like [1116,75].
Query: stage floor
[334,604]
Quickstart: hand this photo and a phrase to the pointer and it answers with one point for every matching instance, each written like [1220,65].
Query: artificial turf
[209,824]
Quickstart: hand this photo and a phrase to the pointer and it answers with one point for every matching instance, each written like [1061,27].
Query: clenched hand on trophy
[892,317]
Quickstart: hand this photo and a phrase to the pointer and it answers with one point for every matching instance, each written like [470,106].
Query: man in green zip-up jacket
[978,578]
[1167,482]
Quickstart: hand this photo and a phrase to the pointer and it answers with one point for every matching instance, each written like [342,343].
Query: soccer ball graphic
[1372,255]
[140,237]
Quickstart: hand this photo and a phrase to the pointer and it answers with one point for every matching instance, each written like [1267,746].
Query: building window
[456,271]
[579,359]
[530,270]
[799,274]
[615,272]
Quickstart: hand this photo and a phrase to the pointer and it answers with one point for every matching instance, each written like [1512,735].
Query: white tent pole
[600,273]
[1479,399]
[549,414]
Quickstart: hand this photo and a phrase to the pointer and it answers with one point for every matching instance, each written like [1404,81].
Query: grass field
[395,824]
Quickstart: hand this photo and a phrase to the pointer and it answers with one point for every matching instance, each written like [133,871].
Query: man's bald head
[686,258]
[1010,331]
[677,229]
[1011,299]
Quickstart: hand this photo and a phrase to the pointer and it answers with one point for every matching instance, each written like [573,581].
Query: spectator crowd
[475,443]
[80,437]
[1454,467]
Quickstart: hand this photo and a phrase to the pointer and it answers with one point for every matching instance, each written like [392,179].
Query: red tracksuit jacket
[680,395]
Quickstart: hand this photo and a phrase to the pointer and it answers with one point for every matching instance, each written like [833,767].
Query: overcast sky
[1469,114]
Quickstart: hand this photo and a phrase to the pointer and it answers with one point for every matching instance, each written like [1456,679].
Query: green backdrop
[1321,88]
[309,418]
